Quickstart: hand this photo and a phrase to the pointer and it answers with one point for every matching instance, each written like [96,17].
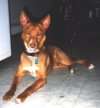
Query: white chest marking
[33,68]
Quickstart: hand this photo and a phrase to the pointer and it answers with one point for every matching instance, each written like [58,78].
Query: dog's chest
[33,67]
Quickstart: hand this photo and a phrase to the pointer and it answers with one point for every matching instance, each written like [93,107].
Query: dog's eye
[39,35]
[27,36]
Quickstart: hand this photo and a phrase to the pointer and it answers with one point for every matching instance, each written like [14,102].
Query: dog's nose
[33,43]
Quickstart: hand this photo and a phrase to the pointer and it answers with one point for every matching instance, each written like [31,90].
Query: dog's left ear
[24,18]
[46,22]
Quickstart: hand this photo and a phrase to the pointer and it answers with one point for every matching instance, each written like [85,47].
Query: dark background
[74,27]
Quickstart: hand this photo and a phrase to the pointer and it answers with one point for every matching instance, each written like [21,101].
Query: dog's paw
[8,95]
[91,67]
[72,71]
[18,100]
[21,98]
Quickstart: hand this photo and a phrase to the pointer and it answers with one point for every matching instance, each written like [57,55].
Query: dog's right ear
[46,22]
[24,18]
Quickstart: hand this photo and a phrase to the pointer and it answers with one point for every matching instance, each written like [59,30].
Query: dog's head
[33,34]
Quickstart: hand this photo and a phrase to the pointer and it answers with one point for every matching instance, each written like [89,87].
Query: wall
[5,42]
[15,7]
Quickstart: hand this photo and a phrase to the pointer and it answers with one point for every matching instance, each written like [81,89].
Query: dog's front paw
[21,98]
[8,95]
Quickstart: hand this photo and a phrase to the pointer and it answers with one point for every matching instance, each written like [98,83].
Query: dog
[37,60]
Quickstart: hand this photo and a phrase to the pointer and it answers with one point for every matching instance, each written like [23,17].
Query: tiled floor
[63,90]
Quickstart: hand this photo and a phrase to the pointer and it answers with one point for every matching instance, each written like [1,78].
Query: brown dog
[36,59]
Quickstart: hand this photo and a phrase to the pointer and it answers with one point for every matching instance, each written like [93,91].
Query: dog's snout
[33,43]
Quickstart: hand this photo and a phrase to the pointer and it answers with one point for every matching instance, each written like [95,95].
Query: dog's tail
[85,63]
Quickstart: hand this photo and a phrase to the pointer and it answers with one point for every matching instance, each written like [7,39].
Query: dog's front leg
[17,78]
[31,89]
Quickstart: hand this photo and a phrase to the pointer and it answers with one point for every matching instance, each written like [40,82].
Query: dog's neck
[34,53]
[31,54]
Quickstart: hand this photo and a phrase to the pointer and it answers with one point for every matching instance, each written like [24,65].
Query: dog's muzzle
[31,50]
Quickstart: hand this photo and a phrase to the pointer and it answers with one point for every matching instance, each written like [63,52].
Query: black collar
[31,54]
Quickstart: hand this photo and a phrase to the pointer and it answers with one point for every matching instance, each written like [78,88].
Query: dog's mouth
[30,49]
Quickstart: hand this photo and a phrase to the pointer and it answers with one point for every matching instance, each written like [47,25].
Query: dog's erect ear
[24,18]
[46,22]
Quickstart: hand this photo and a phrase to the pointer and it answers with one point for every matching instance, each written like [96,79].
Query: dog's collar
[35,53]
[31,54]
